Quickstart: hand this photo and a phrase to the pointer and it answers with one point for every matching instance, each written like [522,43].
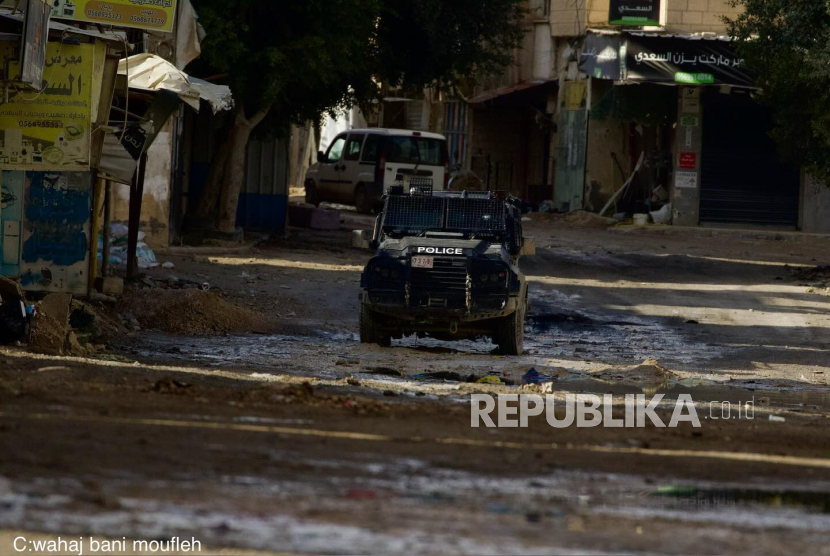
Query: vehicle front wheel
[370,331]
[509,332]
[361,200]
[312,196]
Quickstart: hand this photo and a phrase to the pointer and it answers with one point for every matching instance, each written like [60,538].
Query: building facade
[600,85]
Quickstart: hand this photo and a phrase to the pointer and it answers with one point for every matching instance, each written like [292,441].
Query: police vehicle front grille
[447,280]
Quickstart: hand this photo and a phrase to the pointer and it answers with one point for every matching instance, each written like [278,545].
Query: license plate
[422,262]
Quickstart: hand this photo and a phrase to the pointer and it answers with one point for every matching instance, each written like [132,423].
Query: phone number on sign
[41,123]
[146,20]
[103,15]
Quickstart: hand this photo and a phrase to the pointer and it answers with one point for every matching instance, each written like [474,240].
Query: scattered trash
[776,419]
[118,248]
[662,216]
[168,265]
[535,377]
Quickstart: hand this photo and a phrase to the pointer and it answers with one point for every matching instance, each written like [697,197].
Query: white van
[361,164]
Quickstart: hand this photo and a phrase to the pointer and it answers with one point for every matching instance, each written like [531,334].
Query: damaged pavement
[229,398]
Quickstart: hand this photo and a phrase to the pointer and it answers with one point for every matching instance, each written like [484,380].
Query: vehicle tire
[370,332]
[510,331]
[361,200]
[312,196]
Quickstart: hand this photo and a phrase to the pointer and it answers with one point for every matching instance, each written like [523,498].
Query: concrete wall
[815,206]
[696,16]
[570,19]
[685,192]
[155,206]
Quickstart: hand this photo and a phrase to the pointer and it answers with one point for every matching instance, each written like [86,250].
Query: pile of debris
[813,277]
[67,326]
[577,219]
[190,312]
[118,249]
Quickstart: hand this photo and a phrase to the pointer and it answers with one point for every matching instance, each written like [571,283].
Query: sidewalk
[733,233]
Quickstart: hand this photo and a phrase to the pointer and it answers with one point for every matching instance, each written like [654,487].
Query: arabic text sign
[154,15]
[600,56]
[634,12]
[676,60]
[50,130]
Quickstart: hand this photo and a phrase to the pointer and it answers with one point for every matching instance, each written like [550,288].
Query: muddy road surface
[300,440]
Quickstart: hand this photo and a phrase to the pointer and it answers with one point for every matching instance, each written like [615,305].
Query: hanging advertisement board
[51,129]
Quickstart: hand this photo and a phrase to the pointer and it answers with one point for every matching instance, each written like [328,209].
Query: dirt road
[305,441]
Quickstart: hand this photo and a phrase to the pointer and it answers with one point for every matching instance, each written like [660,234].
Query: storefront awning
[636,57]
[149,72]
[511,90]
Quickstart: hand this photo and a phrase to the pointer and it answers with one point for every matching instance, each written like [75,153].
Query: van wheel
[312,196]
[370,332]
[361,200]
[509,332]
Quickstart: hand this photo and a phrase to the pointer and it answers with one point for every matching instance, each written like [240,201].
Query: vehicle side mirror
[362,239]
[321,157]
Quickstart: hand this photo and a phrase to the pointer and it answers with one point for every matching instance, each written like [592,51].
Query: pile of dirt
[51,327]
[647,374]
[190,312]
[576,219]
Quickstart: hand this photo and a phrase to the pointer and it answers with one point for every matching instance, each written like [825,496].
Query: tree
[787,46]
[292,61]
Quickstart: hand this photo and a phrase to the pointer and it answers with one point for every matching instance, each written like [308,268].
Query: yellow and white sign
[51,129]
[154,15]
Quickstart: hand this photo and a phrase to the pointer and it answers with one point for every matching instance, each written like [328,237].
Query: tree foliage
[786,45]
[291,61]
[307,57]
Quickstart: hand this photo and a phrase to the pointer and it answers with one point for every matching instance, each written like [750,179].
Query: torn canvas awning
[153,73]
[670,59]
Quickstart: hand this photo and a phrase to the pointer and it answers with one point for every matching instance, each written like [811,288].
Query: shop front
[721,166]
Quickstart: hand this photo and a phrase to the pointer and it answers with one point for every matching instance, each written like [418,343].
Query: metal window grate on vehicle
[420,186]
[413,212]
[479,215]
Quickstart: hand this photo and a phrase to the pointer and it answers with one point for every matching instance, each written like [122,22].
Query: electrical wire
[127,87]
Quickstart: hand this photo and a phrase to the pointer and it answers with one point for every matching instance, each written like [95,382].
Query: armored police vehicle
[446,267]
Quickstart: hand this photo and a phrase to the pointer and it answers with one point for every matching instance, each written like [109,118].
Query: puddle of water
[814,502]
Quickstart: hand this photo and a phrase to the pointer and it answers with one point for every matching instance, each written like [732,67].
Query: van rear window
[414,150]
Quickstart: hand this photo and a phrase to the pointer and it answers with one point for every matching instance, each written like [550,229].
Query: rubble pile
[189,312]
[576,219]
[66,326]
